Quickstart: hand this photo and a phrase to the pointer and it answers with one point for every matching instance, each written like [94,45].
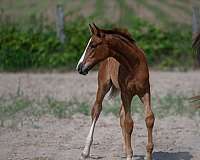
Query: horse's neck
[127,54]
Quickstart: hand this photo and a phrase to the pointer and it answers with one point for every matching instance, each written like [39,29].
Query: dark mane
[119,31]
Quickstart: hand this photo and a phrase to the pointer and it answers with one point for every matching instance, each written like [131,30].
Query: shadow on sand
[167,156]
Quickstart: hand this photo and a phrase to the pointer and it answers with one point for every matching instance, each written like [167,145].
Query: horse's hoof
[148,157]
[129,158]
[84,156]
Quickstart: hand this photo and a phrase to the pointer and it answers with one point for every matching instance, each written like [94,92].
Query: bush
[166,49]
[37,47]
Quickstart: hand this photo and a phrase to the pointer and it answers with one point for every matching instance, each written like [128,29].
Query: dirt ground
[67,86]
[49,138]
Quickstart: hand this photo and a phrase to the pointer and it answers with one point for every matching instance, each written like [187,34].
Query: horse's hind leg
[104,85]
[126,123]
[149,119]
[122,115]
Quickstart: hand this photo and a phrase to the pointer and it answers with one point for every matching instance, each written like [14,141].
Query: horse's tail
[113,92]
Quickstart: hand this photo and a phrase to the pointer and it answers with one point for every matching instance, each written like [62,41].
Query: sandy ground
[49,138]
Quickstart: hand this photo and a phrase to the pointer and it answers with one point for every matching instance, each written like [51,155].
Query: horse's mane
[120,31]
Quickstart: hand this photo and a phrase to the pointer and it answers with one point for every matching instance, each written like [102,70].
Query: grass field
[45,117]
[163,13]
[15,105]
[33,97]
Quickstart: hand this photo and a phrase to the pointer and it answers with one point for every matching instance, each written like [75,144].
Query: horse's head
[96,50]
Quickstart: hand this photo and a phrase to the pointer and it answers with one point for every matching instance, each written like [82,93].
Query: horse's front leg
[95,112]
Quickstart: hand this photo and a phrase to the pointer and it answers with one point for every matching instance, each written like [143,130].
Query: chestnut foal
[123,66]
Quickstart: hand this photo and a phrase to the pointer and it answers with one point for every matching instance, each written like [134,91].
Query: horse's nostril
[83,69]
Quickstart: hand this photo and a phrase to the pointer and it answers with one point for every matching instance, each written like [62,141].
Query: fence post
[195,21]
[60,23]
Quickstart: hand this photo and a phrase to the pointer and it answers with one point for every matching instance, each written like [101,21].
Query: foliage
[166,49]
[37,47]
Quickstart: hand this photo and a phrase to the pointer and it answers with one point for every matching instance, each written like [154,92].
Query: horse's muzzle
[83,69]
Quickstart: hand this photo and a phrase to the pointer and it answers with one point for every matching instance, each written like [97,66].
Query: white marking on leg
[89,140]
[82,57]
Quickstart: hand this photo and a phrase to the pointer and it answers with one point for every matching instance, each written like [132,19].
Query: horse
[196,47]
[122,67]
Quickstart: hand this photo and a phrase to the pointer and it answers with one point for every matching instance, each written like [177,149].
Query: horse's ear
[95,26]
[94,29]
[97,31]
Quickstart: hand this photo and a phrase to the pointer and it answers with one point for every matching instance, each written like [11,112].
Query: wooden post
[60,23]
[195,21]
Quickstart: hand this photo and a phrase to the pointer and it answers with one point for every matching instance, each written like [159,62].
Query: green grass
[8,107]
[168,105]
[17,107]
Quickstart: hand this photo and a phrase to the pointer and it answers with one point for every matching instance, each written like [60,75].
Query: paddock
[47,137]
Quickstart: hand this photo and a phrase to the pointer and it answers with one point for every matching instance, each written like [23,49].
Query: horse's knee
[122,121]
[128,124]
[96,110]
[150,119]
